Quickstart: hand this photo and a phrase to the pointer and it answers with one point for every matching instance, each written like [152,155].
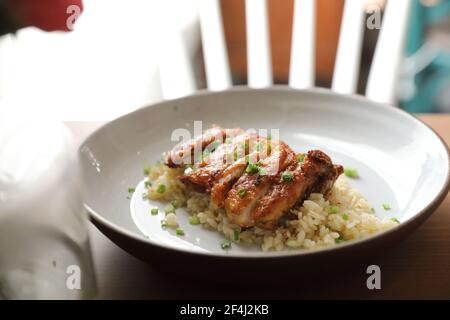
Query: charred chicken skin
[255,179]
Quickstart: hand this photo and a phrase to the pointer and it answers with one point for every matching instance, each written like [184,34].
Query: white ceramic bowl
[400,160]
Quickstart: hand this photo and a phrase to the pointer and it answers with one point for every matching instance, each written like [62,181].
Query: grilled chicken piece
[257,180]
[185,153]
[315,174]
[213,165]
[268,198]
[252,186]
[220,169]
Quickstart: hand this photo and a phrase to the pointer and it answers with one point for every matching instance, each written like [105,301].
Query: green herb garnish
[395,220]
[351,173]
[345,216]
[169,209]
[179,232]
[131,190]
[386,206]
[154,211]
[241,192]
[161,188]
[163,224]
[235,155]
[301,157]
[236,235]
[287,176]
[146,170]
[194,220]
[252,168]
[333,209]
[339,240]
[147,183]
[226,245]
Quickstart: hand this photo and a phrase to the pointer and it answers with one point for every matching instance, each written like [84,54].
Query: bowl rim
[424,213]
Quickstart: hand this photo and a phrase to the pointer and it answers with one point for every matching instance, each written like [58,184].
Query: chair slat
[259,64]
[214,47]
[175,68]
[388,53]
[302,65]
[346,70]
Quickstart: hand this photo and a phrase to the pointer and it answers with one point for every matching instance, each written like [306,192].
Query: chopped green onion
[269,148]
[395,220]
[287,176]
[301,157]
[161,188]
[345,216]
[252,168]
[235,155]
[179,232]
[147,183]
[163,223]
[174,203]
[258,146]
[154,211]
[386,206]
[226,245]
[262,172]
[339,240]
[131,190]
[269,136]
[242,192]
[236,235]
[194,220]
[333,209]
[144,196]
[169,209]
[146,170]
[351,173]
[372,210]
[328,226]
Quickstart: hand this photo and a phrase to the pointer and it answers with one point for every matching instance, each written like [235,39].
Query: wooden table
[419,267]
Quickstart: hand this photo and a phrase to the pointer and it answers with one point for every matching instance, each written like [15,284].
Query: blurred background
[110,64]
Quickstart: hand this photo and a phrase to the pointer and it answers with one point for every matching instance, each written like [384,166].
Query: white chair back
[382,76]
